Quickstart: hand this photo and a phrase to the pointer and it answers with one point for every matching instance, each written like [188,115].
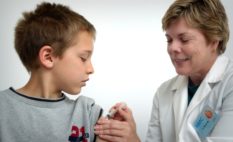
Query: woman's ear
[215,44]
[46,57]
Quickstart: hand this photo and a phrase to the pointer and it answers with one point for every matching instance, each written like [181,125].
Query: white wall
[130,57]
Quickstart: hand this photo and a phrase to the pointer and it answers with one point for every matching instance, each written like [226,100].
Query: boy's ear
[46,57]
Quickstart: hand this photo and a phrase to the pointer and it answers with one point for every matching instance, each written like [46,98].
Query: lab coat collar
[217,70]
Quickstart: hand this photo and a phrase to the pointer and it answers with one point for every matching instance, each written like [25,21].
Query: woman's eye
[184,40]
[169,41]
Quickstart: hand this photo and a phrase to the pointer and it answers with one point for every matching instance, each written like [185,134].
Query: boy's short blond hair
[49,24]
[208,16]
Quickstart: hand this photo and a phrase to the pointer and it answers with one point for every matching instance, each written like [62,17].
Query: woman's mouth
[180,60]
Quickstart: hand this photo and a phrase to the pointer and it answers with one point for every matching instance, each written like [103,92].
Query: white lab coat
[171,119]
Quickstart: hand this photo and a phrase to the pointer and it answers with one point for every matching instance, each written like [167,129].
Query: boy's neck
[40,86]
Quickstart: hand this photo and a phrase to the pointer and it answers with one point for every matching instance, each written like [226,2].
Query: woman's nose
[174,47]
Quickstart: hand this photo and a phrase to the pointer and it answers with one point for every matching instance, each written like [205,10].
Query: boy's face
[72,70]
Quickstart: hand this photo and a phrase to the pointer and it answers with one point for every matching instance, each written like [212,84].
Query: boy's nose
[90,68]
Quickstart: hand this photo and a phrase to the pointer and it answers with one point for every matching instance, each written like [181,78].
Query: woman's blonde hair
[208,16]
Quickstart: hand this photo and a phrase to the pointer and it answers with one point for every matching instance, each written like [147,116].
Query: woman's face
[189,50]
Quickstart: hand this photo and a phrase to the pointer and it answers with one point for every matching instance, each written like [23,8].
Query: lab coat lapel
[203,91]
[180,100]
[215,75]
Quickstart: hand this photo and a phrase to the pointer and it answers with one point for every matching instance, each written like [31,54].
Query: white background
[130,57]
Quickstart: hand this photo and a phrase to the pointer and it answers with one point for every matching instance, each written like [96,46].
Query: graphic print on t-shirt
[78,134]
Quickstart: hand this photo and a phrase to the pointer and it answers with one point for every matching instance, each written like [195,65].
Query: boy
[55,44]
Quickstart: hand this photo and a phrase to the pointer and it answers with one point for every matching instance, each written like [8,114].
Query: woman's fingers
[111,138]
[110,124]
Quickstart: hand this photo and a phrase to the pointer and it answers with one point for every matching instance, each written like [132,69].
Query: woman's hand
[120,128]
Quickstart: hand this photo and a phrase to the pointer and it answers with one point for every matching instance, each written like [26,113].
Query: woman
[197,104]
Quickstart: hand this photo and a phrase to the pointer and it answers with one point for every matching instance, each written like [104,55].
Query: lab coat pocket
[205,122]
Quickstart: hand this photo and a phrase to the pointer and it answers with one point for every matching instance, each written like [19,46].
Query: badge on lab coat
[206,121]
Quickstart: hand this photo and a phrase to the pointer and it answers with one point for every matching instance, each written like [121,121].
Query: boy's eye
[83,59]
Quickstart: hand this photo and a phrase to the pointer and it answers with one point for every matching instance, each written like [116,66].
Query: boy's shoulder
[87,102]
[85,99]
[87,105]
[5,99]
[4,93]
